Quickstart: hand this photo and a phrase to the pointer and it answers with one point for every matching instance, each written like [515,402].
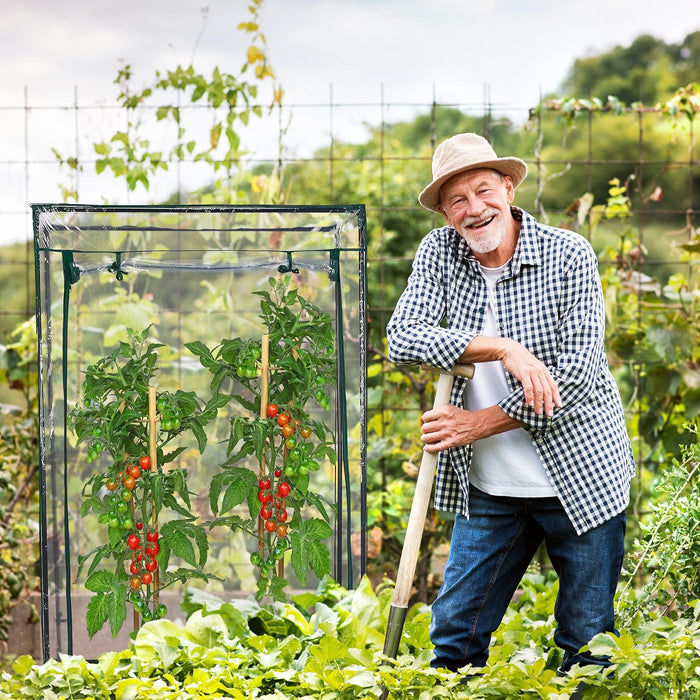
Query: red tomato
[147,578]
[134,471]
[133,541]
[135,567]
[271,410]
[151,565]
[282,419]
[145,462]
[264,484]
[152,536]
[283,489]
[265,513]
[270,525]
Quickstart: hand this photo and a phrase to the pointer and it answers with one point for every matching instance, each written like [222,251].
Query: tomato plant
[125,491]
[277,435]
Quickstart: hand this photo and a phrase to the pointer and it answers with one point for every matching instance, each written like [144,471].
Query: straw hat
[466,152]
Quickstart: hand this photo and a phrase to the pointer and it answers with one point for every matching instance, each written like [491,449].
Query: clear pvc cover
[181,275]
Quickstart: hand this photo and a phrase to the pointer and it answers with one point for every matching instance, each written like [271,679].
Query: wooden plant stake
[153,454]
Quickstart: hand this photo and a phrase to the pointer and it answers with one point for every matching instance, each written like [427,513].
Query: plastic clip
[116,267]
[289,267]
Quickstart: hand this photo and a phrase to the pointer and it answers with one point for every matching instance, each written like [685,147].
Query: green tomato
[126,495]
[127,522]
[121,507]
[290,470]
[146,615]
[138,603]
[255,558]
[303,469]
[114,521]
[161,611]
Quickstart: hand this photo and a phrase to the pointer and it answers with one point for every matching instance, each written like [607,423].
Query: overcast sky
[518,48]
[406,51]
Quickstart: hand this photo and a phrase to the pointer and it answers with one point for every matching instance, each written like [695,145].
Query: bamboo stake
[264,396]
[153,454]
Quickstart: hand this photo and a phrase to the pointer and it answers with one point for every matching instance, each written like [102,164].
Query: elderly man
[534,449]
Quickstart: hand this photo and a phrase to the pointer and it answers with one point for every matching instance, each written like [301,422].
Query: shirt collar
[526,251]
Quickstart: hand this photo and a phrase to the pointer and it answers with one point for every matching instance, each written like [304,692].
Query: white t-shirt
[506,464]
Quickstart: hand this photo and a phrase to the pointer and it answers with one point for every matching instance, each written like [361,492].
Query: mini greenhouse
[202,409]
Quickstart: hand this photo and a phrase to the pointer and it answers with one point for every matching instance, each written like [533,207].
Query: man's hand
[541,391]
[449,426]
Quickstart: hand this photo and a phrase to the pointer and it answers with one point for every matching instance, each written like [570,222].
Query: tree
[648,70]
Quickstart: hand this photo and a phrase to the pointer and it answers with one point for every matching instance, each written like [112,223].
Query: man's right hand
[541,391]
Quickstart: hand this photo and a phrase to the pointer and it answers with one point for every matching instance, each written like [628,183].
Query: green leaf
[100,582]
[117,609]
[97,613]
[309,551]
[202,541]
[199,434]
[182,547]
[242,482]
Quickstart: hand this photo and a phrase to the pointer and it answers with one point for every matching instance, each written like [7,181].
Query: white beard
[486,241]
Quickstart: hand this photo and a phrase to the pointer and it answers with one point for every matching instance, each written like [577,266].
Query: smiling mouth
[481,224]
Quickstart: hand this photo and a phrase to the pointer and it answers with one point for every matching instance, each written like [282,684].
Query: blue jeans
[489,554]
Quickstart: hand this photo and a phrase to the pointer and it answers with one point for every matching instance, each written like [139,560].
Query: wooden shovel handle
[419,508]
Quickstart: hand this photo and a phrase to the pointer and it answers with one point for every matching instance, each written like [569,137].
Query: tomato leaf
[100,582]
[180,545]
[117,608]
[242,482]
[309,551]
[97,613]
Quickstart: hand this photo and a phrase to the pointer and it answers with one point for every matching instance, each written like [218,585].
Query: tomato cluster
[141,606]
[143,558]
[298,459]
[170,413]
[273,509]
[247,362]
[95,447]
[119,513]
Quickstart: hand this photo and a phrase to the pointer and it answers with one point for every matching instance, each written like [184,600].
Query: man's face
[477,205]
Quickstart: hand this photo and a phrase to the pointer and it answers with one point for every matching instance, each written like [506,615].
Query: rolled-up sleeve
[415,332]
[579,350]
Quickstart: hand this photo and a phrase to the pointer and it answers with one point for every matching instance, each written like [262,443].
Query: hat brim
[515,168]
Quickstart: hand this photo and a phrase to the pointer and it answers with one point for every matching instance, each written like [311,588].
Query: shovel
[416,521]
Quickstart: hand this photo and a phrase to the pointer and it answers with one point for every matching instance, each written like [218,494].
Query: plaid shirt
[550,301]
